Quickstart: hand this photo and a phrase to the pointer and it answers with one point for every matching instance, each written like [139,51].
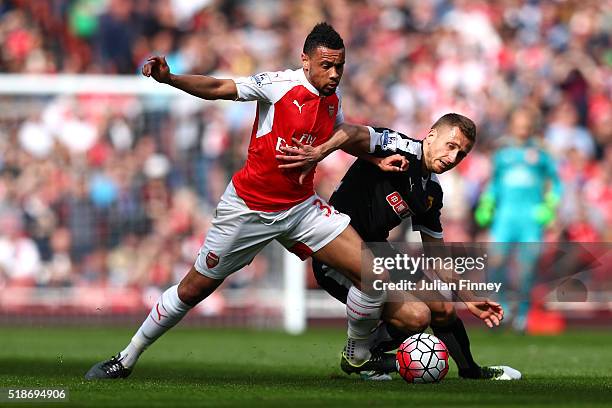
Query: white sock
[363,312]
[167,312]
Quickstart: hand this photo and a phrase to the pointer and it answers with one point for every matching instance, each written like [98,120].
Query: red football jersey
[287,106]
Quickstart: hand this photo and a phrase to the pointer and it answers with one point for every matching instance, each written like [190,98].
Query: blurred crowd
[107,190]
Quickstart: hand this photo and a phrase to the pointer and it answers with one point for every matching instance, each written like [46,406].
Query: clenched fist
[158,68]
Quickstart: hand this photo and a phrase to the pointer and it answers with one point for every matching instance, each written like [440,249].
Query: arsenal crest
[212,259]
[331,109]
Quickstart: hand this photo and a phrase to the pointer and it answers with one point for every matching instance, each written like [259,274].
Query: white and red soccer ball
[422,358]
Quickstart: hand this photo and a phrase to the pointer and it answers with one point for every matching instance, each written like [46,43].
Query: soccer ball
[422,358]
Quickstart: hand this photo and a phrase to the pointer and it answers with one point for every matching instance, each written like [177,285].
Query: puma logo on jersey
[295,102]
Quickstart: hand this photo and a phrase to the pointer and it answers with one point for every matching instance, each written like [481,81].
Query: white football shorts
[238,233]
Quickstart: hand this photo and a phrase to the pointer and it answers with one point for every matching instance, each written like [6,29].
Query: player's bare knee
[443,313]
[188,293]
[422,317]
[411,317]
[195,287]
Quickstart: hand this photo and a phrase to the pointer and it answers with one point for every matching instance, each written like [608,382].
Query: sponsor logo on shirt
[398,204]
[307,139]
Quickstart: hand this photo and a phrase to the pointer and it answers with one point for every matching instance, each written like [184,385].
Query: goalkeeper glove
[485,209]
[546,212]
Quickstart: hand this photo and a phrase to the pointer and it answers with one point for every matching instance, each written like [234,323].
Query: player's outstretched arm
[202,86]
[353,139]
[305,157]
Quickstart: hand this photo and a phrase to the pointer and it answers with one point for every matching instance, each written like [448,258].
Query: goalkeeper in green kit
[519,203]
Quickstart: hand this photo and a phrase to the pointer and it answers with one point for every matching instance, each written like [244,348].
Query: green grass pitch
[218,368]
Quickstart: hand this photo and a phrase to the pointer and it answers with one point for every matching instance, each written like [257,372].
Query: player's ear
[431,135]
[305,61]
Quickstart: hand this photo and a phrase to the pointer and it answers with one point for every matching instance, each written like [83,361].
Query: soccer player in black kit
[378,197]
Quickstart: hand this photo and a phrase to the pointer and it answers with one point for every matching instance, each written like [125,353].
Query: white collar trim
[306,83]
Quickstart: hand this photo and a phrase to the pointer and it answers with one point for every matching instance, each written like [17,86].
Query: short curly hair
[323,35]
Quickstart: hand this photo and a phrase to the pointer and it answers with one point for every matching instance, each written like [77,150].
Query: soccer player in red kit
[264,203]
